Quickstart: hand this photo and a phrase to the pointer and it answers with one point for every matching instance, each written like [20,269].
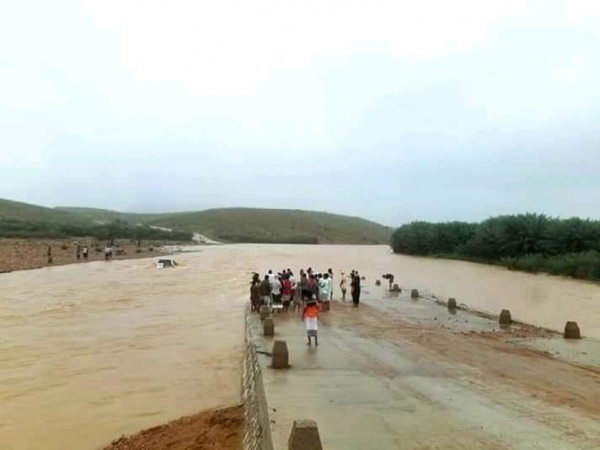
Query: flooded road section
[95,350]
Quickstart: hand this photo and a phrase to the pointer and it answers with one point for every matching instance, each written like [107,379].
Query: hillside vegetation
[25,211]
[243,225]
[250,225]
[23,220]
[529,242]
[106,215]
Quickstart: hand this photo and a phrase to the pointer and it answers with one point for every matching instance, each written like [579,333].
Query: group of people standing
[285,289]
[309,293]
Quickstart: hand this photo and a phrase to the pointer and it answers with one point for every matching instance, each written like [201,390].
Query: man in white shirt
[325,289]
[276,290]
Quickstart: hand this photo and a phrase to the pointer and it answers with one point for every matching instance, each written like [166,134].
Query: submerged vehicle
[165,263]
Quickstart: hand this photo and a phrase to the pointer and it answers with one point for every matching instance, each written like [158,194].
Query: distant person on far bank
[78,252]
[86,252]
[49,254]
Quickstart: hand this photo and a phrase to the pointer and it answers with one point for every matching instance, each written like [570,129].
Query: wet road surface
[388,377]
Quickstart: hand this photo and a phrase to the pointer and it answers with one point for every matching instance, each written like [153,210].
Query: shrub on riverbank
[529,242]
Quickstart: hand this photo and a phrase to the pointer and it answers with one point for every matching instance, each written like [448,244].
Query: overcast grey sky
[391,110]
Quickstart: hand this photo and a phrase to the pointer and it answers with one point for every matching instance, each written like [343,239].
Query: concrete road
[410,375]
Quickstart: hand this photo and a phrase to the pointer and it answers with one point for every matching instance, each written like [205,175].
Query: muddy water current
[92,351]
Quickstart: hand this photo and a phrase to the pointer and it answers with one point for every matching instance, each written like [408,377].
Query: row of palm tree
[524,241]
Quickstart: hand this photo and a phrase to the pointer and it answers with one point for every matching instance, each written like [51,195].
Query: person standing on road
[265,291]
[330,272]
[276,290]
[325,290]
[343,285]
[294,283]
[356,289]
[255,293]
[309,316]
[314,287]
[287,292]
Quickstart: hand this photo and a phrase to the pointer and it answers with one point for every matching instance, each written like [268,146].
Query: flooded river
[92,351]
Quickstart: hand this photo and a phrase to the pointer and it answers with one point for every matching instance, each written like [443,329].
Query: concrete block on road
[265,311]
[414,294]
[572,331]
[505,317]
[305,436]
[268,327]
[452,303]
[281,359]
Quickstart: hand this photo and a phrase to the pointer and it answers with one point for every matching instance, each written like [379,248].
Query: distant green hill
[10,210]
[107,215]
[278,226]
[248,225]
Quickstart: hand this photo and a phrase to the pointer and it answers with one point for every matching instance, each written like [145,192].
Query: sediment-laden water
[92,351]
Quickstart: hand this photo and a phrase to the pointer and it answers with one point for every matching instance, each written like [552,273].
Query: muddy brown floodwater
[93,351]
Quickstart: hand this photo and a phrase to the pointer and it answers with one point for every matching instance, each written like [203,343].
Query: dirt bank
[220,429]
[22,254]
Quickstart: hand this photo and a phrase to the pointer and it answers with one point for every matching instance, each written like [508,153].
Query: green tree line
[13,228]
[530,242]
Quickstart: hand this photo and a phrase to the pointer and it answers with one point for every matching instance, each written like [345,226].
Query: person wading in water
[390,278]
[355,289]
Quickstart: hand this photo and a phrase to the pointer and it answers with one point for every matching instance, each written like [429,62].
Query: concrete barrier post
[452,304]
[414,294]
[505,317]
[265,311]
[280,355]
[305,436]
[572,331]
[396,288]
[377,282]
[268,327]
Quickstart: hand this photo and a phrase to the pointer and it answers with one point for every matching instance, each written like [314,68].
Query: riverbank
[25,254]
[220,429]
